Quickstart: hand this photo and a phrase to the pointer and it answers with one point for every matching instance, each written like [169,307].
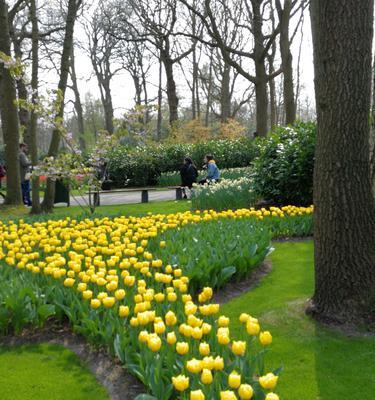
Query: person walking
[189,175]
[213,173]
[25,170]
[2,174]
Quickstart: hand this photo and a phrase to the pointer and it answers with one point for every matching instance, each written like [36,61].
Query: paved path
[120,198]
[124,198]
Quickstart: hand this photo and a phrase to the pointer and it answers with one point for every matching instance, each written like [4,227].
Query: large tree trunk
[73,6]
[23,113]
[344,229]
[261,97]
[225,95]
[32,129]
[287,62]
[372,132]
[9,115]
[77,103]
[160,103]
[171,88]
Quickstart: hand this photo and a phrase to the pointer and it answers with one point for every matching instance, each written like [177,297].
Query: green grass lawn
[319,364]
[163,207]
[46,372]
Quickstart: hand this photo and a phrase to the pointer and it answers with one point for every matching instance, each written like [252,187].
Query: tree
[9,113]
[73,7]
[344,229]
[102,52]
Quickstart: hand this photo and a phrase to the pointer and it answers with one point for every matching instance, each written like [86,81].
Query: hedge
[142,166]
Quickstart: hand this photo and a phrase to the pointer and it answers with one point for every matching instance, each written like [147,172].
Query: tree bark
[261,97]
[32,128]
[287,61]
[171,87]
[9,115]
[77,103]
[160,102]
[225,94]
[23,113]
[73,7]
[344,227]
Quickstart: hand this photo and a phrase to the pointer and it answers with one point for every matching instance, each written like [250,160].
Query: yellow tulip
[252,328]
[180,382]
[245,391]
[95,303]
[208,362]
[219,363]
[268,381]
[159,327]
[265,338]
[69,282]
[171,338]
[182,348]
[197,395]
[223,321]
[204,349]
[239,347]
[170,318]
[87,294]
[143,336]
[108,302]
[272,396]
[120,294]
[123,311]
[194,366]
[234,380]
[244,317]
[206,376]
[227,395]
[154,342]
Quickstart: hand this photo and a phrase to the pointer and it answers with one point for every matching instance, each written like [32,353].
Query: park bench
[144,192]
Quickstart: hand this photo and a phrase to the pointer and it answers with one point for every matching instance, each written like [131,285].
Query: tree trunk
[9,116]
[23,113]
[32,128]
[73,6]
[160,102]
[225,96]
[77,103]
[171,88]
[261,97]
[344,227]
[287,63]
[372,132]
[108,109]
[209,92]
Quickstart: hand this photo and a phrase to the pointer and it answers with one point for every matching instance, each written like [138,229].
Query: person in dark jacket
[25,170]
[189,175]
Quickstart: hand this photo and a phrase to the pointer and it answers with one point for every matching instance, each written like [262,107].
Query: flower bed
[227,194]
[101,275]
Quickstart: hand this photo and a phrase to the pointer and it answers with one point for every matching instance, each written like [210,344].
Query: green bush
[283,170]
[143,165]
[228,194]
[212,253]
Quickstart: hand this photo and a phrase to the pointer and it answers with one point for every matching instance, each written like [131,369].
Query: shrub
[142,165]
[283,170]
[225,195]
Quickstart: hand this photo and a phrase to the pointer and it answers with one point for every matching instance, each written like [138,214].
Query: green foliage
[283,171]
[142,165]
[212,253]
[228,194]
